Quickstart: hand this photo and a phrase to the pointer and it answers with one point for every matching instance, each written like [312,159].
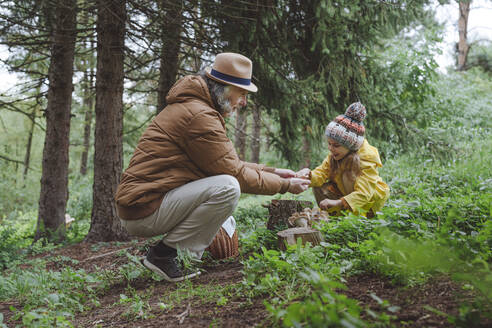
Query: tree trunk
[88,97]
[16,163]
[198,30]
[27,157]
[54,179]
[306,150]
[463,46]
[240,133]
[280,210]
[170,38]
[255,141]
[268,142]
[88,104]
[108,149]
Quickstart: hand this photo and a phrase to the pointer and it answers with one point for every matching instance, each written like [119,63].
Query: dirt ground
[441,294]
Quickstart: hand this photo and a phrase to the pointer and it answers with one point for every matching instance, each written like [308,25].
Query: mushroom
[307,217]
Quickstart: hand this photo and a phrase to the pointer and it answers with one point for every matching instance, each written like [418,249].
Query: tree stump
[280,210]
[290,236]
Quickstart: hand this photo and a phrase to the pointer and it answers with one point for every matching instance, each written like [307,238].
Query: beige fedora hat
[233,69]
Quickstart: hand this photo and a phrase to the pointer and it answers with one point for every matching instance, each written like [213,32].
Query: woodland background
[95,73]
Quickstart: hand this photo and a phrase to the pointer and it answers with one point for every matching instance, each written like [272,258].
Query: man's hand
[326,204]
[298,185]
[285,173]
[304,173]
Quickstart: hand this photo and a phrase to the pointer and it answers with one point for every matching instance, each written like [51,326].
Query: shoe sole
[161,273]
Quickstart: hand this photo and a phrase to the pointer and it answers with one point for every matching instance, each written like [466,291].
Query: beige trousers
[191,215]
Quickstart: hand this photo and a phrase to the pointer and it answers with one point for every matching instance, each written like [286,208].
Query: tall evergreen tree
[27,156]
[111,18]
[88,104]
[54,180]
[240,133]
[171,27]
[256,133]
[86,65]
[463,46]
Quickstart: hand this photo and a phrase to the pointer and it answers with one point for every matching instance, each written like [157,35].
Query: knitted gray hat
[348,129]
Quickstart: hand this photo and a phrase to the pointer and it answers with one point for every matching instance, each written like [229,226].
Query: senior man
[185,178]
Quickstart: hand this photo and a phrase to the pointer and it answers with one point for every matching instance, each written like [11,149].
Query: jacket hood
[369,153]
[190,87]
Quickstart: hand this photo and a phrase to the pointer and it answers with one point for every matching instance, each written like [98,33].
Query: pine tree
[171,27]
[54,180]
[111,18]
[256,133]
[463,46]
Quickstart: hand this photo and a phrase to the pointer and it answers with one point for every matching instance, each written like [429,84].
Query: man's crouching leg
[191,216]
[212,201]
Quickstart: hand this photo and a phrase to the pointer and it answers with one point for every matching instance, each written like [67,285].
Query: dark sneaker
[167,267]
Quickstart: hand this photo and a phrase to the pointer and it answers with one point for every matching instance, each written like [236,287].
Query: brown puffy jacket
[185,142]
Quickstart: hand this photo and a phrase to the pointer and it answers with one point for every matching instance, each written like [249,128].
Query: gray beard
[224,104]
[226,107]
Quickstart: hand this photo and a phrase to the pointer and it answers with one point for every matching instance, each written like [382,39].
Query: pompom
[356,112]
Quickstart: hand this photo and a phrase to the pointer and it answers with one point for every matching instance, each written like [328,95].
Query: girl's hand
[285,173]
[326,204]
[298,185]
[304,173]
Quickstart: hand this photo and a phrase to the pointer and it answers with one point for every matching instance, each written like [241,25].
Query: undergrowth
[436,222]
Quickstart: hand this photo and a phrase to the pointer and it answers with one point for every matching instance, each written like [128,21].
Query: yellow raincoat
[370,192]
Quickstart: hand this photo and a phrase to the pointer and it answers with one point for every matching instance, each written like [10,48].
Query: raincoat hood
[369,153]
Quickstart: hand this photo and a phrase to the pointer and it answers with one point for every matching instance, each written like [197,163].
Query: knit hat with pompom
[348,129]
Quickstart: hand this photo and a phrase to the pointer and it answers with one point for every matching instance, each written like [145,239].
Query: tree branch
[8,159]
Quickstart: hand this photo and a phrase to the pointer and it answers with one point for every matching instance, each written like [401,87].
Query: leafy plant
[133,269]
[407,261]
[49,298]
[139,307]
[323,307]
[187,290]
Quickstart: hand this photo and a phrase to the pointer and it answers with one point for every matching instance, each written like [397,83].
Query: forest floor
[195,310]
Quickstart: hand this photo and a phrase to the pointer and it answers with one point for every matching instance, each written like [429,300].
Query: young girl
[348,177]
